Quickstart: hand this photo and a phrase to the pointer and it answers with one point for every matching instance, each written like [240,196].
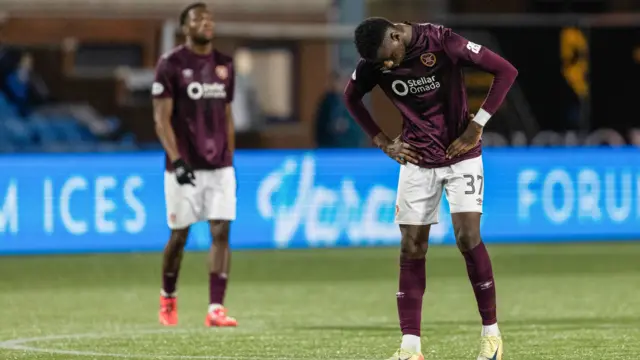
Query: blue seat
[18,131]
[55,134]
[55,147]
[113,122]
[6,147]
[5,139]
[128,139]
[6,108]
[67,130]
[87,135]
[151,146]
[44,131]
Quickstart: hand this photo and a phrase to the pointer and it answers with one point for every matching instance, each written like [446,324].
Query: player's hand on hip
[402,152]
[467,141]
[184,173]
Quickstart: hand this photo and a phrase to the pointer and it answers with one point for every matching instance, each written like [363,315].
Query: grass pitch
[571,302]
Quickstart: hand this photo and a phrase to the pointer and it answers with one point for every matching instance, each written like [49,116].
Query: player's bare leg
[412,284]
[171,261]
[219,265]
[467,231]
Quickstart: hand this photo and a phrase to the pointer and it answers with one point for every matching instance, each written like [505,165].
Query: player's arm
[362,82]
[162,91]
[353,99]
[231,130]
[162,110]
[467,53]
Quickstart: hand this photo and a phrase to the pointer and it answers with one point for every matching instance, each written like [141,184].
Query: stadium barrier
[76,203]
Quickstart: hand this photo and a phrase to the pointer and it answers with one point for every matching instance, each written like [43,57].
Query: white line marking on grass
[22,345]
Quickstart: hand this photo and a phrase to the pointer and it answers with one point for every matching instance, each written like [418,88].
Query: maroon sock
[481,277]
[169,281]
[412,285]
[217,288]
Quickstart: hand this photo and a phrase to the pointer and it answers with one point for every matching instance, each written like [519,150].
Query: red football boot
[217,316]
[168,314]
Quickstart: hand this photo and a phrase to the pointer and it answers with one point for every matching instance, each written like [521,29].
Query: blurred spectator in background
[24,88]
[29,95]
[247,114]
[335,128]
[9,57]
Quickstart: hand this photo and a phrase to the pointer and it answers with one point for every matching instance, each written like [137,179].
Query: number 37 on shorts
[420,191]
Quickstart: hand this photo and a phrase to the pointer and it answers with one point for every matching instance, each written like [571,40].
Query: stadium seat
[7,148]
[113,122]
[151,146]
[18,131]
[87,135]
[128,139]
[54,134]
[67,130]
[6,109]
[44,131]
[5,139]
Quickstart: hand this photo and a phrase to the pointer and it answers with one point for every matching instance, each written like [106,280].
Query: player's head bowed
[197,23]
[379,40]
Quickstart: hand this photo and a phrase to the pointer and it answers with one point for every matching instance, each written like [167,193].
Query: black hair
[185,13]
[369,36]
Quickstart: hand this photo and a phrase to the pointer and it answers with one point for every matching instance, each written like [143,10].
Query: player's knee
[219,231]
[467,239]
[414,243]
[179,237]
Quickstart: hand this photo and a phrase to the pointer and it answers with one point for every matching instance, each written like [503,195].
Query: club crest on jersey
[428,59]
[222,72]
[187,74]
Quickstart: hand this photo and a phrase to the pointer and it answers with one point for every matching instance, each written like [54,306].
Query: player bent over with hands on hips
[419,67]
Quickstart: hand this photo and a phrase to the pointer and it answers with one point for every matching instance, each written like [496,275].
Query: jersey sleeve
[463,51]
[362,81]
[364,78]
[467,53]
[163,83]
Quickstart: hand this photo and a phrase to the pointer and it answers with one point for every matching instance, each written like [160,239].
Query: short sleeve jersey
[201,87]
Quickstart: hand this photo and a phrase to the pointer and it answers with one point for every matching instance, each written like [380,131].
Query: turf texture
[571,302]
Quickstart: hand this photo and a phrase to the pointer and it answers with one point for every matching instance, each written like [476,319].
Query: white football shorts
[213,197]
[420,191]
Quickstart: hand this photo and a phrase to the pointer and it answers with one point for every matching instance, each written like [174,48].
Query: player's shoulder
[432,30]
[222,58]
[361,70]
[364,67]
[173,56]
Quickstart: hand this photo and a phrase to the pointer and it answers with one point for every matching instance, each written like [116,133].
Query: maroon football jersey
[201,86]
[429,90]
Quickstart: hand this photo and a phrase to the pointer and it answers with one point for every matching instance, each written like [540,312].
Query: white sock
[167,295]
[213,307]
[411,343]
[490,330]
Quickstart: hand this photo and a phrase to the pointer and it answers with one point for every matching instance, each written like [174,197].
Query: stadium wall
[76,203]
